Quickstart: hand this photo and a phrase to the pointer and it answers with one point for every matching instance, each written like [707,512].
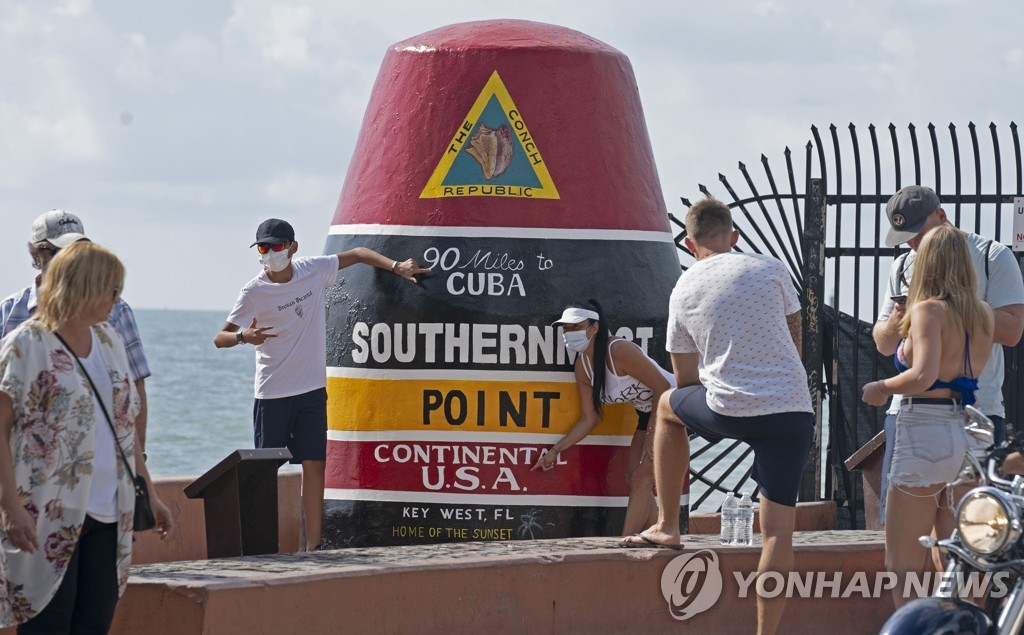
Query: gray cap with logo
[908,210]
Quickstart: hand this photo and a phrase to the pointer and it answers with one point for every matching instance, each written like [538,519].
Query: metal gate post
[813,248]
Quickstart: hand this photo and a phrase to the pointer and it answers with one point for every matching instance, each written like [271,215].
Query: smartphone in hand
[898,299]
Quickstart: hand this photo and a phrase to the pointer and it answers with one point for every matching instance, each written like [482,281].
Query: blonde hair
[944,270]
[708,220]
[79,276]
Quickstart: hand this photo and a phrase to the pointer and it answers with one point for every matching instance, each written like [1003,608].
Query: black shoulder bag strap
[99,400]
[901,268]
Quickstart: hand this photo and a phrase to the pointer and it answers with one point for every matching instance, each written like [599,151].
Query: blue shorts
[781,442]
[298,423]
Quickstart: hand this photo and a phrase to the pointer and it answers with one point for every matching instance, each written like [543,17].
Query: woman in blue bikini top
[942,304]
[966,384]
[944,316]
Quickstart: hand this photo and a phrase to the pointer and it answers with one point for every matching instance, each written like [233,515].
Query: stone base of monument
[577,585]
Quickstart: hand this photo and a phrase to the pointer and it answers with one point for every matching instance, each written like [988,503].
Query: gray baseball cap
[908,210]
[60,227]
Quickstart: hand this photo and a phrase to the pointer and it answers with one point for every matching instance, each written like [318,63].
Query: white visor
[574,315]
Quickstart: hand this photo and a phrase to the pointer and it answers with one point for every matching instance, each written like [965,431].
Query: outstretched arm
[408,269]
[588,421]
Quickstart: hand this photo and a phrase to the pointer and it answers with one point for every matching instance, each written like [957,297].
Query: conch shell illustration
[492,149]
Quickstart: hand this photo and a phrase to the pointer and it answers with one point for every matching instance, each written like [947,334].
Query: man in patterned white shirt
[734,337]
[52,232]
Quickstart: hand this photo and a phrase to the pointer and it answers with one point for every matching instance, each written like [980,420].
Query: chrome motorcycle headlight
[987,521]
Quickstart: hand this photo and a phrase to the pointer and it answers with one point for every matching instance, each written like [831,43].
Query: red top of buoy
[504,123]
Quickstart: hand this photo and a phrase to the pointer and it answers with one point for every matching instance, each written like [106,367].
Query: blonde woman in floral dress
[66,499]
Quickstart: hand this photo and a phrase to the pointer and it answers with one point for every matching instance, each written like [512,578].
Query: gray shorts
[930,445]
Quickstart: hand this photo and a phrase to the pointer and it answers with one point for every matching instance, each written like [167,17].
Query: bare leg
[671,460]
[640,479]
[944,521]
[909,514]
[777,523]
[313,500]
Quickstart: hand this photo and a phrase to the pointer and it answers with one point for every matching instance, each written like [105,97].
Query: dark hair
[600,351]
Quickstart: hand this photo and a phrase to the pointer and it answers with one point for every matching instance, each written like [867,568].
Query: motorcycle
[985,544]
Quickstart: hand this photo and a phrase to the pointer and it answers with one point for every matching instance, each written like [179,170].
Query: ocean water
[200,397]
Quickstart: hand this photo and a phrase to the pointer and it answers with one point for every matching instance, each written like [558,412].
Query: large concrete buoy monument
[513,158]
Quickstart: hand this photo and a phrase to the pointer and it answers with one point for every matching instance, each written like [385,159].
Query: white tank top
[625,388]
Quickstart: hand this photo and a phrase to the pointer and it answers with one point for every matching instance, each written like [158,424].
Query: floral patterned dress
[52,451]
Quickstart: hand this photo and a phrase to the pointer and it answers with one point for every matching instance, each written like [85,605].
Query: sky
[173,128]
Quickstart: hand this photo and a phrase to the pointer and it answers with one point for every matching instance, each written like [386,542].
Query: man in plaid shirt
[52,232]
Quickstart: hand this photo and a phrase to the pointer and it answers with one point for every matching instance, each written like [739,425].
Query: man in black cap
[913,211]
[282,313]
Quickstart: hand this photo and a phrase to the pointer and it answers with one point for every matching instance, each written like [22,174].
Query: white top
[103,490]
[295,361]
[1003,287]
[731,309]
[626,388]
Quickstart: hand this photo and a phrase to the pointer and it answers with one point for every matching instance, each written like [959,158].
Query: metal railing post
[813,248]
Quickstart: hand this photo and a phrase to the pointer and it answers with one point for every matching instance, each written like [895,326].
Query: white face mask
[576,341]
[275,260]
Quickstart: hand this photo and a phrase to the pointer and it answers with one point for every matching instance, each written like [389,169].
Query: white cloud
[134,65]
[898,42]
[73,8]
[281,34]
[767,7]
[295,189]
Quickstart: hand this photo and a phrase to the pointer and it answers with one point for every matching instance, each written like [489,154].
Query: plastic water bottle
[745,522]
[730,512]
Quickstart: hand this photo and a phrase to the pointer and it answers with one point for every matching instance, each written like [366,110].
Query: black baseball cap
[274,231]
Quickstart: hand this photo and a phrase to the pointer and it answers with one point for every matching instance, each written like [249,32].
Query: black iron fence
[825,220]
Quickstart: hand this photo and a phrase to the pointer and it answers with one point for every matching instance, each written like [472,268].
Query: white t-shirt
[103,489]
[295,361]
[1002,287]
[731,309]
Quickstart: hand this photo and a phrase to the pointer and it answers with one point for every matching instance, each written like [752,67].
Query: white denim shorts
[930,445]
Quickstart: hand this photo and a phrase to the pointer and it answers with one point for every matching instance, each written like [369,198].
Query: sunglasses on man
[265,247]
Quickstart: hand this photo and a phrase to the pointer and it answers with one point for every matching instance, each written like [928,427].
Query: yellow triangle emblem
[492,153]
